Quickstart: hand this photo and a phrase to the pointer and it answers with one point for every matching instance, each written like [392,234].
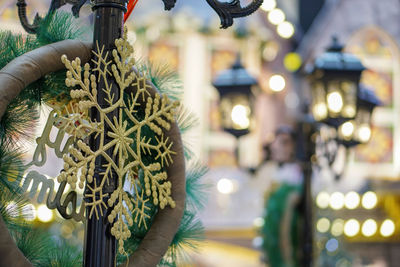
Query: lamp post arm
[169,4]
[227,11]
[28,27]
[55,4]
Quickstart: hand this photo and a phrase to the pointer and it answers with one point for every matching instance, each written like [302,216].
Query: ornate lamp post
[342,104]
[236,89]
[100,245]
[338,99]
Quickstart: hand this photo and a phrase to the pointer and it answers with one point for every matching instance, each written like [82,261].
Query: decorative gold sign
[47,185]
[124,138]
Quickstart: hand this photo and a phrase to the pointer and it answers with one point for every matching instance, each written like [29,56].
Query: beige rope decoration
[22,71]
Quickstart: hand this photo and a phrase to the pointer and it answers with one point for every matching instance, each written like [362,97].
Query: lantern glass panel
[363,119]
[319,109]
[235,112]
[349,92]
[334,99]
[346,130]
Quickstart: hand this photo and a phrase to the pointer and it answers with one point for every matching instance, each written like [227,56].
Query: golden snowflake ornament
[123,138]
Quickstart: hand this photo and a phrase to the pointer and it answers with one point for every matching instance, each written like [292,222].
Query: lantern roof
[235,76]
[334,59]
[366,96]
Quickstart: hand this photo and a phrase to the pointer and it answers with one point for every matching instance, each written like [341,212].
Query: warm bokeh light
[285,29]
[369,200]
[44,214]
[225,186]
[268,5]
[387,228]
[277,83]
[292,61]
[323,225]
[364,133]
[351,227]
[349,111]
[322,200]
[347,129]
[335,102]
[369,228]
[240,116]
[352,200]
[336,201]
[337,227]
[320,111]
[258,222]
[276,16]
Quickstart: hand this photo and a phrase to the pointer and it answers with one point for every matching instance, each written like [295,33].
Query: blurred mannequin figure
[284,178]
[279,165]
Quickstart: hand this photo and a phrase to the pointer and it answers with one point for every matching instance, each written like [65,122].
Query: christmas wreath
[154,220]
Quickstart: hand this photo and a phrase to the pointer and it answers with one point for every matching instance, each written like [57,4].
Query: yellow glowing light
[364,133]
[337,227]
[285,29]
[347,129]
[336,201]
[258,222]
[369,200]
[240,116]
[292,61]
[351,200]
[225,186]
[351,227]
[277,83]
[369,228]
[387,228]
[29,212]
[349,111]
[323,200]
[268,5]
[44,214]
[335,102]
[320,111]
[276,16]
[323,225]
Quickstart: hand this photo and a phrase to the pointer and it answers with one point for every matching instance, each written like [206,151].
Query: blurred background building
[277,45]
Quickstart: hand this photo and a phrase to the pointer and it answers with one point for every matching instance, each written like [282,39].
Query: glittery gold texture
[126,140]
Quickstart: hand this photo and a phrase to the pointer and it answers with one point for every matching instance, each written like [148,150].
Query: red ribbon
[131,6]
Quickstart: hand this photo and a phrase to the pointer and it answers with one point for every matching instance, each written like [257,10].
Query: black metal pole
[307,213]
[100,245]
[306,150]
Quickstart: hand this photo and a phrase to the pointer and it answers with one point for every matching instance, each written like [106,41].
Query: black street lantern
[335,78]
[358,131]
[340,101]
[235,89]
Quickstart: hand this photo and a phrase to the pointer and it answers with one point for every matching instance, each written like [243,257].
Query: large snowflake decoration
[124,138]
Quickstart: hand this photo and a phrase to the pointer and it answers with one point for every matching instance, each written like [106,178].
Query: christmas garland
[20,117]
